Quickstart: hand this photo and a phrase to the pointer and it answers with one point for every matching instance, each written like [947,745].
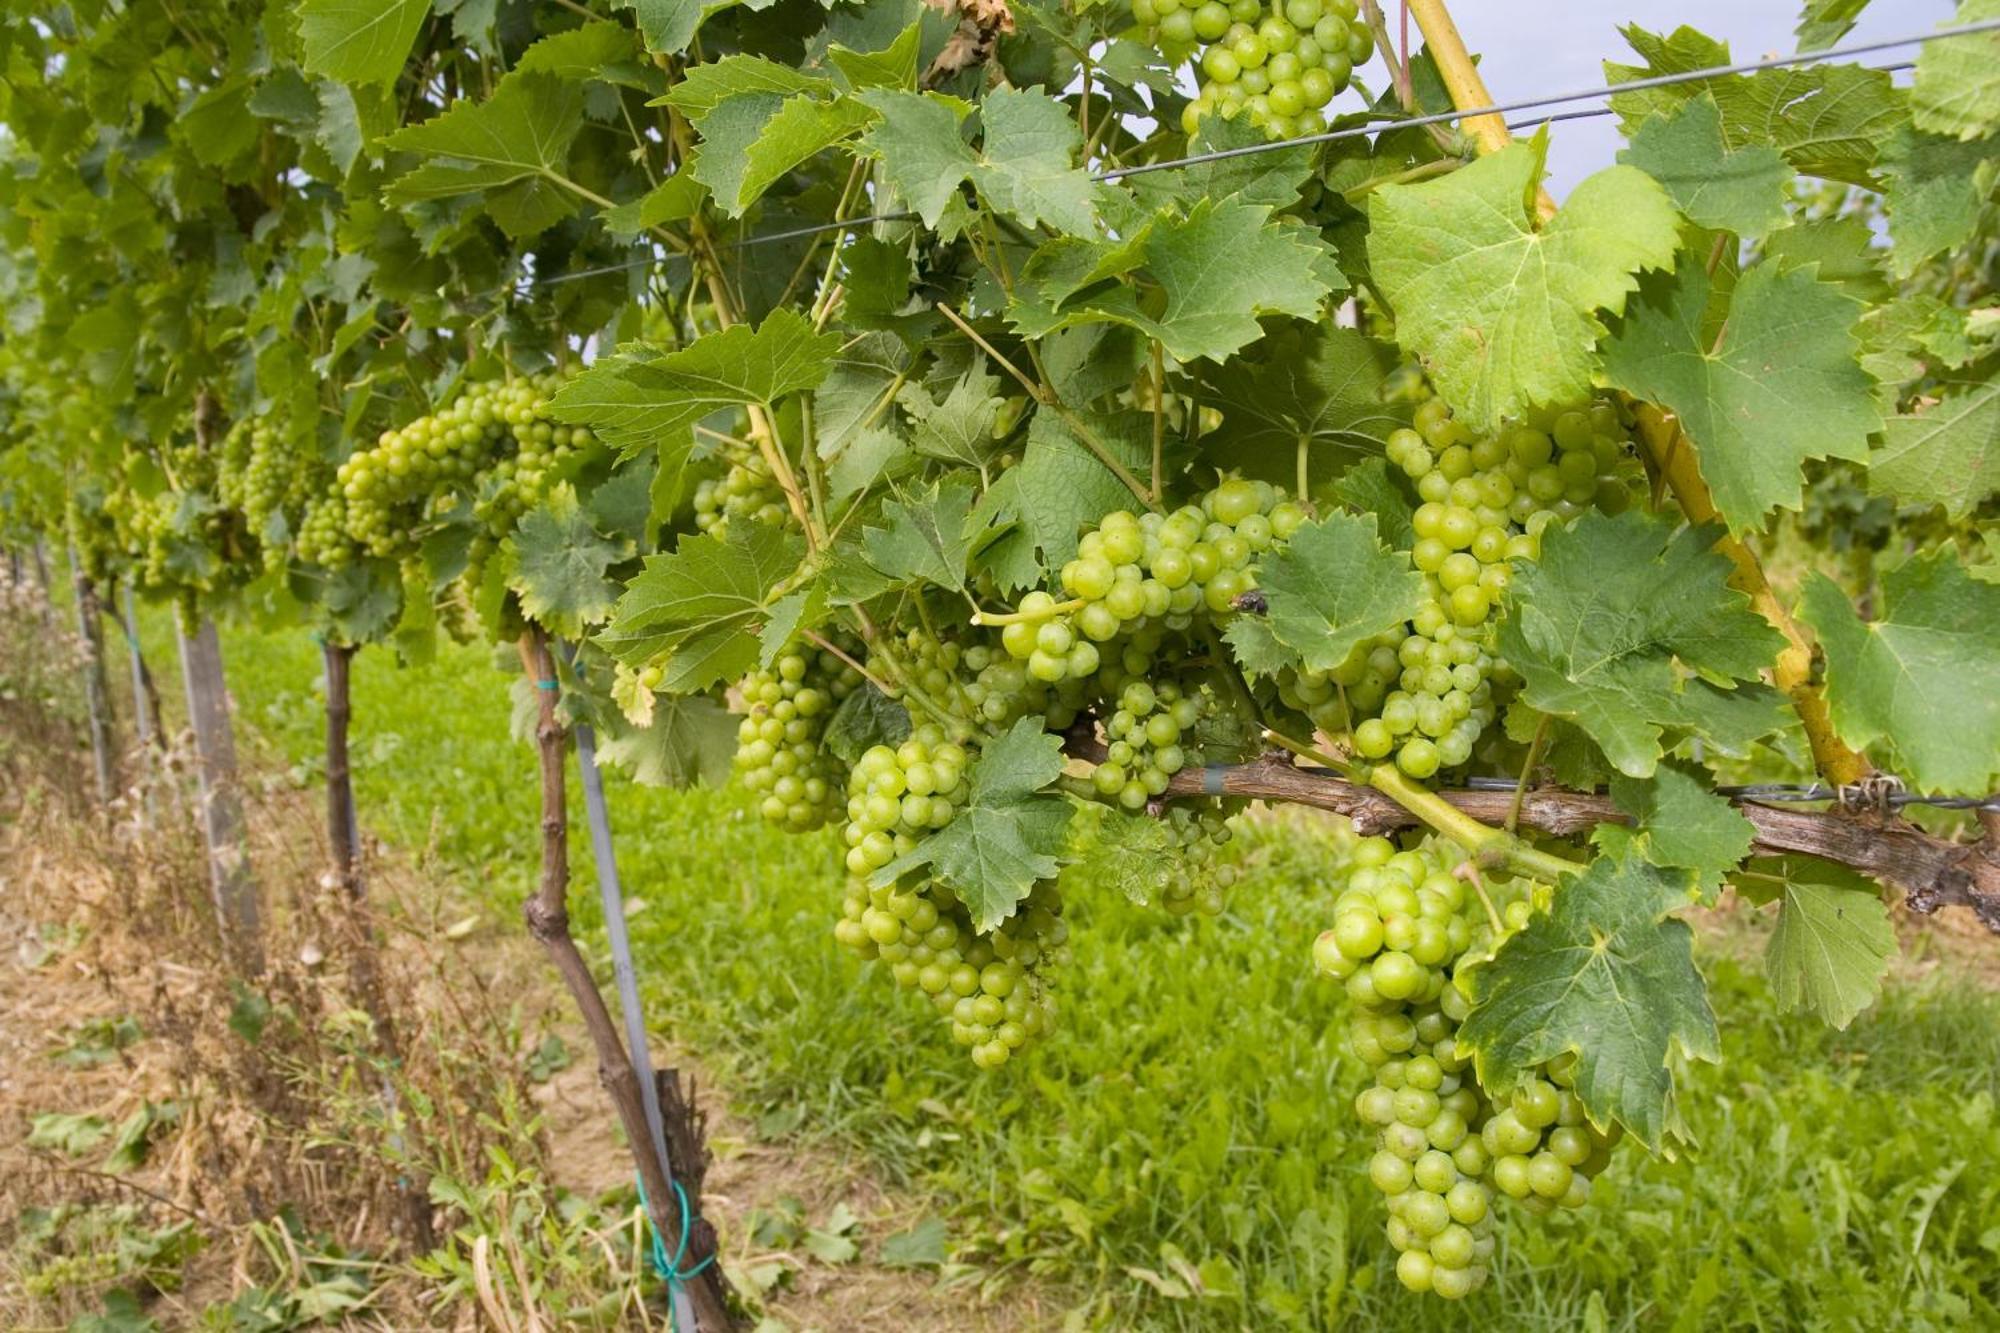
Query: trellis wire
[1789,792]
[1385,127]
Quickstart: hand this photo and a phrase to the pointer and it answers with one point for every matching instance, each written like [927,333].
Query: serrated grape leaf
[362,600]
[1368,488]
[636,400]
[1008,836]
[677,197]
[891,66]
[749,142]
[923,155]
[959,427]
[927,536]
[1781,386]
[1627,627]
[1741,190]
[1038,508]
[703,604]
[796,611]
[1832,942]
[1948,452]
[359,41]
[1335,584]
[1608,974]
[1935,190]
[1028,162]
[865,719]
[860,381]
[709,84]
[1824,22]
[875,283]
[1684,822]
[1316,385]
[689,740]
[1505,315]
[669,25]
[560,565]
[1213,273]
[1130,855]
[1827,120]
[1256,648]
[1923,679]
[514,146]
[1956,90]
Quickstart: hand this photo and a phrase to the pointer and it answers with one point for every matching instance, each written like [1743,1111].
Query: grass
[1191,1118]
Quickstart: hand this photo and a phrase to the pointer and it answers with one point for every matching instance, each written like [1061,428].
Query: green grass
[1194,1105]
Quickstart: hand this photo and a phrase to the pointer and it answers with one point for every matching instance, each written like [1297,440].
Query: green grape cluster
[1131,570]
[1000,691]
[1405,931]
[1280,64]
[1427,691]
[1195,881]
[994,990]
[1143,740]
[898,795]
[747,491]
[778,749]
[265,475]
[414,473]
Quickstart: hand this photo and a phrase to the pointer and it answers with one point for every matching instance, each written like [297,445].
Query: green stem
[1527,772]
[1487,846]
[1048,612]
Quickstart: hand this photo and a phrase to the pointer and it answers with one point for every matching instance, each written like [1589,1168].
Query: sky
[1531,48]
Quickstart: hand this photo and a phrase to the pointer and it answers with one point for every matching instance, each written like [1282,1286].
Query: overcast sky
[1531,48]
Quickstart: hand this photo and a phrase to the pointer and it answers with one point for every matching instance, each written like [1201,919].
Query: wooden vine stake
[145,704]
[343,840]
[238,907]
[96,690]
[547,914]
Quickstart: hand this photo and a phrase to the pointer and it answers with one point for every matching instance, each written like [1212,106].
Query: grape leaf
[1684,822]
[1028,168]
[1741,190]
[1949,452]
[635,400]
[1503,314]
[689,740]
[860,378]
[1923,679]
[514,146]
[1216,270]
[865,719]
[1827,120]
[1936,187]
[891,66]
[1315,385]
[669,25]
[1628,627]
[708,84]
[1825,22]
[702,604]
[1009,834]
[1368,488]
[1605,973]
[959,427]
[1779,387]
[927,537]
[1956,91]
[1832,943]
[1037,509]
[359,41]
[923,155]
[750,142]
[1129,855]
[560,565]
[1334,585]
